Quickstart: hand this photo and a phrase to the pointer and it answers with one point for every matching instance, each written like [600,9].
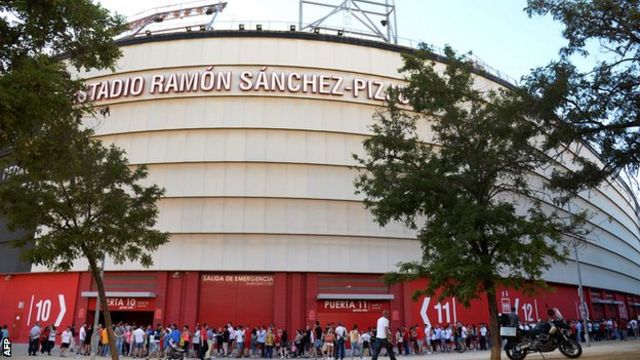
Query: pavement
[605,350]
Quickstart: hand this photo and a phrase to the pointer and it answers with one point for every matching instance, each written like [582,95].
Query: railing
[196,24]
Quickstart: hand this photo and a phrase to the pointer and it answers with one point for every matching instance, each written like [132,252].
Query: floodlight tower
[205,11]
[379,18]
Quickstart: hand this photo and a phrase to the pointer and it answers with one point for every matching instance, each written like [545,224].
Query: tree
[37,92]
[467,189]
[88,206]
[75,198]
[601,106]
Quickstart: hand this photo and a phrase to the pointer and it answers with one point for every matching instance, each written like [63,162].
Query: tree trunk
[494,328]
[95,273]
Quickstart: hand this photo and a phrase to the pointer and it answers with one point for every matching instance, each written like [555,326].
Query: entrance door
[143,318]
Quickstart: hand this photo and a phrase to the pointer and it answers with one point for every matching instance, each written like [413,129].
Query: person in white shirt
[439,338]
[634,327]
[446,336]
[427,337]
[483,337]
[341,336]
[82,335]
[138,340]
[52,339]
[196,340]
[66,341]
[240,340]
[463,336]
[34,339]
[365,339]
[382,337]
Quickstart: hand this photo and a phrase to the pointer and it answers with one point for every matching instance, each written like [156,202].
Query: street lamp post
[583,304]
[95,337]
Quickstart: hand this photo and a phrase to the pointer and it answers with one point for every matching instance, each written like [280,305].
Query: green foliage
[85,206]
[37,93]
[599,106]
[465,183]
[78,29]
[73,197]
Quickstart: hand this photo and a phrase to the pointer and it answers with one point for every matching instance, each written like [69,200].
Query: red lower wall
[286,299]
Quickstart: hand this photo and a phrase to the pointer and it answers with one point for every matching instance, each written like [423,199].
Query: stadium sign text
[239,82]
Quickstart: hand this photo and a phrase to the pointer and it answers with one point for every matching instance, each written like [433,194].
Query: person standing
[239,338]
[34,339]
[382,337]
[483,337]
[419,334]
[232,338]
[186,340]
[269,343]
[51,343]
[211,337]
[104,340]
[204,342]
[341,335]
[196,341]
[66,341]
[73,344]
[317,342]
[262,335]
[284,345]
[138,341]
[366,341]
[86,346]
[399,341]
[225,342]
[119,333]
[514,320]
[354,340]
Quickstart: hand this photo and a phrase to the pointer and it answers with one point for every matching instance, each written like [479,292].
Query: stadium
[251,131]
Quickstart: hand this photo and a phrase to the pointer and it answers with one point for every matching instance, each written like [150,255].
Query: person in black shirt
[318,340]
[306,341]
[514,320]
[225,342]
[284,344]
[219,335]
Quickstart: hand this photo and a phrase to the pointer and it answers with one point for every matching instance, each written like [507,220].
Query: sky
[497,31]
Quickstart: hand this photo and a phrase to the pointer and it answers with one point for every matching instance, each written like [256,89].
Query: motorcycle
[546,336]
[174,353]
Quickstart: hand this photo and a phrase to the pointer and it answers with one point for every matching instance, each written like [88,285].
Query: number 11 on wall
[446,309]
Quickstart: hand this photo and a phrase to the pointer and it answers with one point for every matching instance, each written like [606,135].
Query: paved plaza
[606,350]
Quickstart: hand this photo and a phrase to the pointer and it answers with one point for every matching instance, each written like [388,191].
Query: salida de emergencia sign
[249,280]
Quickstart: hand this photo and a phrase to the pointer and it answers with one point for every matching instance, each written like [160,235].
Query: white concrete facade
[263,180]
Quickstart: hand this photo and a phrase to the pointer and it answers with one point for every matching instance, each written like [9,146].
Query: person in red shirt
[419,339]
[204,345]
[406,338]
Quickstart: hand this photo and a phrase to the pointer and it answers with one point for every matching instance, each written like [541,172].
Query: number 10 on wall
[43,310]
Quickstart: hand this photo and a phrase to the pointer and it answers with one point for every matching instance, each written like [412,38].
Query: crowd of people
[605,329]
[328,342]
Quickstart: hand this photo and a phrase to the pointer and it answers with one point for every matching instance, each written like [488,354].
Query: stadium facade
[252,135]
